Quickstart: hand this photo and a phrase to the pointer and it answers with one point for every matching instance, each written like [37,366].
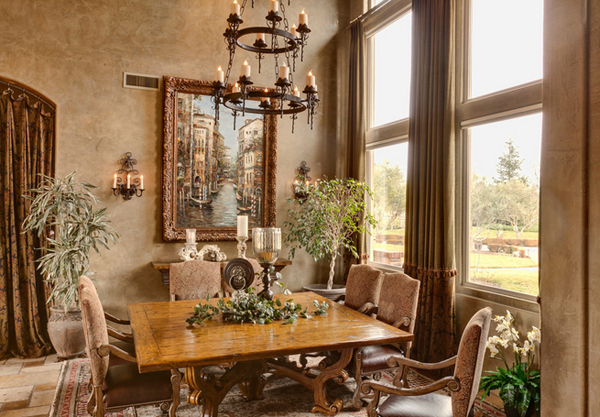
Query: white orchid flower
[493,350]
[534,335]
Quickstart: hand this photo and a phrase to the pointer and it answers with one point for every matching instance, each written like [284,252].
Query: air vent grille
[141,81]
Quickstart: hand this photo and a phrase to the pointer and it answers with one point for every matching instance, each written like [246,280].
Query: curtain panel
[26,150]
[430,245]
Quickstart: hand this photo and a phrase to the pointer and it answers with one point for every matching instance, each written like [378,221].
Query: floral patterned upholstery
[193,280]
[469,361]
[94,328]
[363,286]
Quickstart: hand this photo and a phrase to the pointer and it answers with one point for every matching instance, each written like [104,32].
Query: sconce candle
[129,186]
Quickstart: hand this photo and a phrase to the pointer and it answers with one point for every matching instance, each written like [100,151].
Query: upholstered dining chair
[119,386]
[362,289]
[464,384]
[397,306]
[193,280]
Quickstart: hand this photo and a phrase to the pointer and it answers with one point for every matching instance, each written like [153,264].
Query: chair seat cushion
[429,405]
[114,360]
[125,386]
[374,358]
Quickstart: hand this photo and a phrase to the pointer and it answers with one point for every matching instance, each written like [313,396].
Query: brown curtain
[357,125]
[26,149]
[429,251]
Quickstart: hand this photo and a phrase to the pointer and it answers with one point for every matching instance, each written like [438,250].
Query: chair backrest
[363,286]
[193,280]
[469,361]
[399,299]
[94,328]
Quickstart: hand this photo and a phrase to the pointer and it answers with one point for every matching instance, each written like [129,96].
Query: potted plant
[76,227]
[518,383]
[333,213]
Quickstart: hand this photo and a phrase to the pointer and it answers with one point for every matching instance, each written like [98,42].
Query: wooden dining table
[164,341]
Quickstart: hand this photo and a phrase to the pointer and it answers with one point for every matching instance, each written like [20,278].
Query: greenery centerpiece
[334,212]
[67,207]
[518,383]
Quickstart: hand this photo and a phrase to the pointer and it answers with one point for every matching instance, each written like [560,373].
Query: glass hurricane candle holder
[266,242]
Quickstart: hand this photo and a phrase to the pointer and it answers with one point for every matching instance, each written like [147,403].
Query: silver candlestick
[241,246]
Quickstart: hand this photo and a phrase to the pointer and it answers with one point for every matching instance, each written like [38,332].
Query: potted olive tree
[334,212]
[67,208]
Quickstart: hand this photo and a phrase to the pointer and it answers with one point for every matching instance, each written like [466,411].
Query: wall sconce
[301,183]
[127,186]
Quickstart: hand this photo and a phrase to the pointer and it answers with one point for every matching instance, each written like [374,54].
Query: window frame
[520,100]
[388,134]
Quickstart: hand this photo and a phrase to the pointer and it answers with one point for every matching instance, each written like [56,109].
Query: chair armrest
[450,382]
[340,298]
[368,309]
[404,321]
[115,319]
[124,337]
[399,360]
[106,350]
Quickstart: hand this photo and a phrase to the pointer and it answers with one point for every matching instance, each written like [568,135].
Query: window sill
[385,267]
[497,295]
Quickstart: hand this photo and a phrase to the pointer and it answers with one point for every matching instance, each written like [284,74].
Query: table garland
[247,307]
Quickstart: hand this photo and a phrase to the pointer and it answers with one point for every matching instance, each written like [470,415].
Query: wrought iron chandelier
[286,44]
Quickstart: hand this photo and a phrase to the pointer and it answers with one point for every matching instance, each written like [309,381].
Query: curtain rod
[367,14]
[12,87]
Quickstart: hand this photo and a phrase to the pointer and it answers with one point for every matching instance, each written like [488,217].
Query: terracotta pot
[66,332]
[322,290]
[513,412]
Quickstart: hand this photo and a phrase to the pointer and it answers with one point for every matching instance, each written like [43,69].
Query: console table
[165,269]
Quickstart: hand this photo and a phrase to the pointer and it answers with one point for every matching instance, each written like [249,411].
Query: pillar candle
[296,92]
[219,75]
[293,31]
[235,7]
[142,184]
[274,6]
[310,79]
[115,181]
[303,18]
[128,180]
[242,226]
[246,69]
[190,235]
[284,71]
[236,88]
[260,37]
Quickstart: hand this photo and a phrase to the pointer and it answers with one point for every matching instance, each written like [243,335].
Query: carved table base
[208,390]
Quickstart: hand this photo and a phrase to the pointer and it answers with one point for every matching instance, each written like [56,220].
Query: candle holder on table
[241,246]
[266,242]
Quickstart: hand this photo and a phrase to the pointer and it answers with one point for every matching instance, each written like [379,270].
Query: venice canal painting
[219,170]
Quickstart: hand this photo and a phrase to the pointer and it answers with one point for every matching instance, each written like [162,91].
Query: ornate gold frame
[173,86]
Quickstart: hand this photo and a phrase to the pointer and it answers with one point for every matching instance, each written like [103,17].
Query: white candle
[115,181]
[260,37]
[219,75]
[246,70]
[128,180]
[242,226]
[142,184]
[293,32]
[303,18]
[266,99]
[296,92]
[310,79]
[315,87]
[274,6]
[284,71]
[235,7]
[190,235]
[236,88]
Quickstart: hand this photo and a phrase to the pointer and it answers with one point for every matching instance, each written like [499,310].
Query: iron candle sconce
[128,186]
[301,183]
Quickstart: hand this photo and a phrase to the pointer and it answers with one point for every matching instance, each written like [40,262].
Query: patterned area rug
[283,398]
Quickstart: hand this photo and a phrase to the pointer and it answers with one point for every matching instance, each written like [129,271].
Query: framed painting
[214,171]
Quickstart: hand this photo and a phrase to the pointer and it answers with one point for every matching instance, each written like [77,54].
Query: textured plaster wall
[75,52]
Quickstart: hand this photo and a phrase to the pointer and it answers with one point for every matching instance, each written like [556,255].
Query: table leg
[317,384]
[208,391]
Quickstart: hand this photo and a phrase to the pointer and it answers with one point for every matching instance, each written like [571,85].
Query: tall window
[388,32]
[500,120]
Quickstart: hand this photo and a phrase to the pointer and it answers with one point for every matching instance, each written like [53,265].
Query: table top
[163,340]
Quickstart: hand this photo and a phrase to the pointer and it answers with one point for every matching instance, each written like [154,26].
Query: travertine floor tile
[45,387]
[13,369]
[52,359]
[15,405]
[35,378]
[45,368]
[16,393]
[42,398]
[20,360]
[27,412]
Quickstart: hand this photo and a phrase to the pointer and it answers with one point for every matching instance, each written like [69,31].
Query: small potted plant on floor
[518,383]
[333,213]
[65,209]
